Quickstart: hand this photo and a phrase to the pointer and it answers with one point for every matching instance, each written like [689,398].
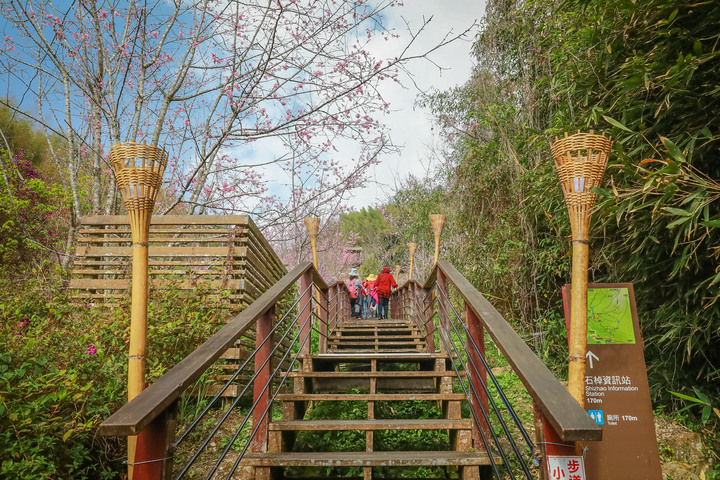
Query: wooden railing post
[429,324]
[324,312]
[153,460]
[551,443]
[442,309]
[343,313]
[305,311]
[478,379]
[413,305]
[393,305]
[400,301]
[333,307]
[411,301]
[261,393]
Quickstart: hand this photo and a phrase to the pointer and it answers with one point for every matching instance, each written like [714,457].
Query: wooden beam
[169,220]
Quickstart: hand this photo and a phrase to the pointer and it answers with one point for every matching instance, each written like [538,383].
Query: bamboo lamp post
[312,224]
[580,160]
[139,170]
[412,247]
[438,222]
[313,227]
[397,272]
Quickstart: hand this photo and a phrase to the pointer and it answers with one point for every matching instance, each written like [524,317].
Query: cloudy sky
[411,126]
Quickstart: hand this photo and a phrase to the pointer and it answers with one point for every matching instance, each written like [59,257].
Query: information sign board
[617,395]
[565,468]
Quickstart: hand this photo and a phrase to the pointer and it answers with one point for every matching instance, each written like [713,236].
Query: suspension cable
[487,392]
[247,417]
[269,406]
[511,411]
[237,399]
[475,417]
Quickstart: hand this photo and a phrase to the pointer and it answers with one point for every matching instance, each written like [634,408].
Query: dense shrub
[63,371]
[32,214]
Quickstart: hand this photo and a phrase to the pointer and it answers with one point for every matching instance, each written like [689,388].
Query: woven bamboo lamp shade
[438,222]
[580,160]
[139,170]
[412,247]
[397,272]
[312,224]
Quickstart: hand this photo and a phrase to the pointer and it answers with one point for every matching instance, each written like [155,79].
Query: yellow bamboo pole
[312,224]
[138,169]
[580,160]
[438,222]
[412,247]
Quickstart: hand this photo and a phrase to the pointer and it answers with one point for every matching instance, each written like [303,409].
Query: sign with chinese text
[617,395]
[565,468]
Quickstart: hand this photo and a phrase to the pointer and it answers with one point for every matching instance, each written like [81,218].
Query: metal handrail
[567,417]
[446,340]
[237,399]
[137,414]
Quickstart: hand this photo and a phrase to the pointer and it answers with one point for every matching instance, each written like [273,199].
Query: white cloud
[410,125]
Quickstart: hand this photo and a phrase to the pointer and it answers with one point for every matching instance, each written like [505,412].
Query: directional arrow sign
[590,355]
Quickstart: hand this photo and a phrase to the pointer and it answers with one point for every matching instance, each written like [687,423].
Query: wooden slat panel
[160,251]
[174,240]
[154,229]
[155,263]
[256,265]
[237,297]
[169,220]
[124,284]
[178,271]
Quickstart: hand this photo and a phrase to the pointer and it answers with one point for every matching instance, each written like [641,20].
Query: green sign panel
[617,395]
[609,317]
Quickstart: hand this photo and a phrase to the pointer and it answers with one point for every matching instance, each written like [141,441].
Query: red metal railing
[562,425]
[315,313]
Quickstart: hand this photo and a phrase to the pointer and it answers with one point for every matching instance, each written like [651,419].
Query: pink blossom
[91,350]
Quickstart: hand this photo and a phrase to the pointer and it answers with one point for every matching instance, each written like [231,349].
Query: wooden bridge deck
[369,360]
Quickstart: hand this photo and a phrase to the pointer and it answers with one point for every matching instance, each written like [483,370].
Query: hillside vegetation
[644,72]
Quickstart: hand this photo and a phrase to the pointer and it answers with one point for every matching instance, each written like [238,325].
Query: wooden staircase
[381,371]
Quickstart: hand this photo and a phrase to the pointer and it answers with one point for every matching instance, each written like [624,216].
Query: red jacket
[385,282]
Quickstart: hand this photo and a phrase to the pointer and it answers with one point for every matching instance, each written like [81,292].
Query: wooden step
[354,338]
[368,397]
[371,425]
[350,341]
[382,374]
[365,459]
[376,323]
[373,350]
[382,359]
[369,326]
[393,356]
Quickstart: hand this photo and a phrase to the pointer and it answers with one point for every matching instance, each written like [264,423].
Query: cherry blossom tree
[245,95]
